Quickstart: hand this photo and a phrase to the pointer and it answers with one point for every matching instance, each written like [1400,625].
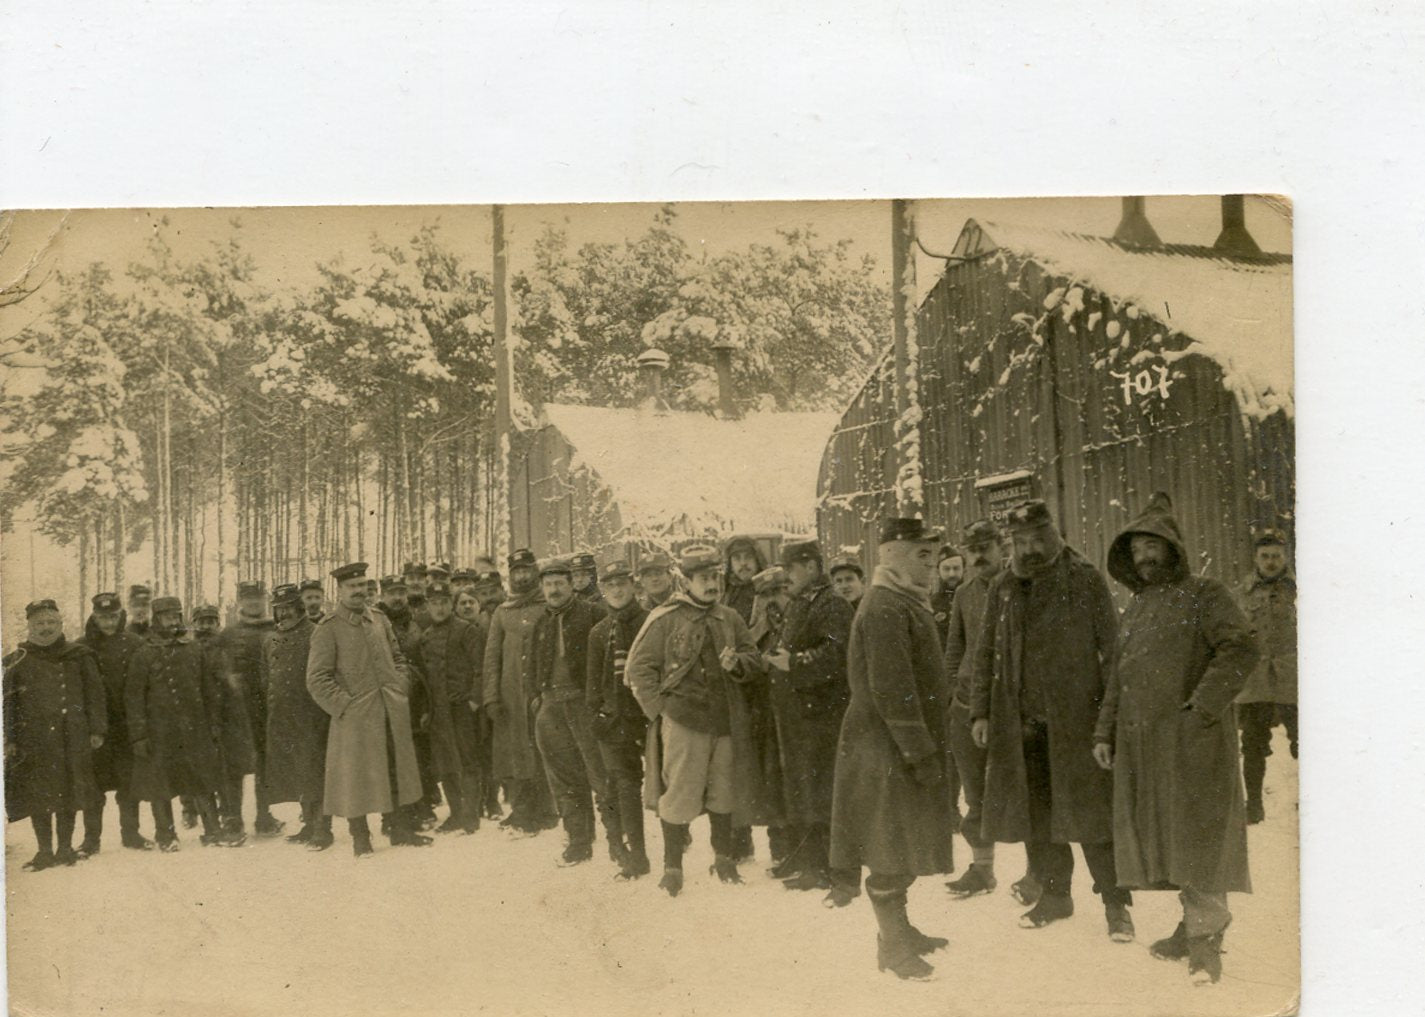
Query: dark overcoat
[507,677]
[173,700]
[240,648]
[54,703]
[1270,608]
[113,761]
[453,652]
[1074,627]
[296,725]
[357,674]
[1184,651]
[809,700]
[881,816]
[607,694]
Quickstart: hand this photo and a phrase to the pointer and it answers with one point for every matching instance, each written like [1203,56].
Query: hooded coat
[881,816]
[173,701]
[453,652]
[736,593]
[809,700]
[358,675]
[1073,628]
[666,649]
[296,726]
[508,677]
[54,703]
[1184,651]
[114,760]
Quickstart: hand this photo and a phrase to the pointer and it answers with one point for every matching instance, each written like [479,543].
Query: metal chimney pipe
[651,365]
[1234,238]
[1134,228]
[722,355]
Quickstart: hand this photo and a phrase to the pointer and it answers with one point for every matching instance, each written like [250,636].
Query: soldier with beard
[618,722]
[1268,597]
[949,572]
[395,605]
[140,597]
[55,718]
[452,651]
[112,646]
[173,705]
[768,615]
[685,668]
[890,811]
[1041,667]
[296,725]
[1184,651]
[240,648]
[414,574]
[489,593]
[236,735]
[314,601]
[358,675]
[742,562]
[509,691]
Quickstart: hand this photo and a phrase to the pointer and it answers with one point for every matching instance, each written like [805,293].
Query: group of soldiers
[846,717]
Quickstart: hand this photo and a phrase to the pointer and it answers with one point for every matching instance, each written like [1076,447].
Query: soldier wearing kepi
[1184,650]
[985,554]
[452,651]
[236,736]
[563,721]
[809,698]
[173,705]
[618,722]
[140,597]
[357,674]
[847,578]
[296,725]
[769,613]
[1268,597]
[55,718]
[206,622]
[508,681]
[314,600]
[890,811]
[112,646]
[240,646]
[684,668]
[585,576]
[950,572]
[1040,671]
[655,579]
[395,606]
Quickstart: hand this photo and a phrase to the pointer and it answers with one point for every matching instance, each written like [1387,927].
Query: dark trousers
[1255,722]
[970,763]
[1051,862]
[163,829]
[46,824]
[576,769]
[623,767]
[128,817]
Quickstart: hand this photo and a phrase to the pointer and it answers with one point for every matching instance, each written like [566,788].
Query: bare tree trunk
[360,505]
[404,538]
[303,530]
[121,549]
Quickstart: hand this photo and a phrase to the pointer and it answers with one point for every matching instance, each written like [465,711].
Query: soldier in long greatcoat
[55,717]
[239,648]
[296,725]
[106,636]
[172,702]
[508,691]
[890,809]
[1165,730]
[358,675]
[452,651]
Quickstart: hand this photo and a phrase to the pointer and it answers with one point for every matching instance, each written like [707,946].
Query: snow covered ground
[488,924]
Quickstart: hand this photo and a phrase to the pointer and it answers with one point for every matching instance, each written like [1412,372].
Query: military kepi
[800,550]
[555,567]
[901,528]
[162,604]
[355,570]
[697,558]
[1028,515]
[522,558]
[310,584]
[1268,537]
[287,593]
[979,534]
[617,569]
[34,607]
[106,603]
[250,588]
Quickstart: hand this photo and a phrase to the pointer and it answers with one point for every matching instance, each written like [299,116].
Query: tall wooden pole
[910,496]
[503,385]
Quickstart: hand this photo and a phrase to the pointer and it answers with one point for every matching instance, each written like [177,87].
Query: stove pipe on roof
[651,365]
[722,355]
[1134,228]
[1234,238]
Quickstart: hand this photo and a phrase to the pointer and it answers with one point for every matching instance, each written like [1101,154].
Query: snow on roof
[1236,311]
[679,473]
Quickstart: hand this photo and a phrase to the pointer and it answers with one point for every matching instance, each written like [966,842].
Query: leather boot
[895,944]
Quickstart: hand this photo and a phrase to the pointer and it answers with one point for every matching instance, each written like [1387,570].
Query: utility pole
[503,385]
[909,486]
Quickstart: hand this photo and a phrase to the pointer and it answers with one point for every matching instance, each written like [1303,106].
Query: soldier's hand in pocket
[980,732]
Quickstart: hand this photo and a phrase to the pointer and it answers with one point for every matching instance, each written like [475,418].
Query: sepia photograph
[742,607]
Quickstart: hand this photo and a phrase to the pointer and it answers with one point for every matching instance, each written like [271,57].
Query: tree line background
[178,413]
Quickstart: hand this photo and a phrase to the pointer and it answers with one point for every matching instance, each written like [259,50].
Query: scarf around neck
[887,578]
